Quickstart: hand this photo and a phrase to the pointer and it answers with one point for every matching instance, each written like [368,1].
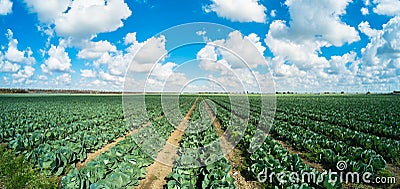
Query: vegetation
[16,172]
[45,136]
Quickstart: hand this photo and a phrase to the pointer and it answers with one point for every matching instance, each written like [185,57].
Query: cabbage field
[87,141]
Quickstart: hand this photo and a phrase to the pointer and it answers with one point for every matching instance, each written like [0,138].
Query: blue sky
[306,46]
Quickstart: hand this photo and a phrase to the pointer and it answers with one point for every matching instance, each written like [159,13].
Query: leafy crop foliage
[200,164]
[47,135]
[16,172]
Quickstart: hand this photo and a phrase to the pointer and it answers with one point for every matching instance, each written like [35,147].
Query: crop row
[388,148]
[124,164]
[271,157]
[201,162]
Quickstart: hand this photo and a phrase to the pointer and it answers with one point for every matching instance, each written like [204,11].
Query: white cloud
[88,73]
[6,66]
[208,58]
[238,10]
[81,18]
[14,55]
[297,63]
[238,51]
[63,79]
[24,75]
[310,29]
[113,65]
[273,13]
[109,77]
[130,38]
[5,7]
[163,71]
[175,82]
[227,61]
[48,11]
[58,60]
[319,20]
[365,28]
[381,57]
[387,7]
[152,50]
[201,33]
[43,77]
[94,50]
[364,11]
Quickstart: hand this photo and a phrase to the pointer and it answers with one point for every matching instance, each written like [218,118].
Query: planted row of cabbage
[271,158]
[370,160]
[374,114]
[55,147]
[329,152]
[124,164]
[388,148]
[201,162]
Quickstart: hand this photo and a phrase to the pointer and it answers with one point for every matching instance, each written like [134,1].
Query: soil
[156,172]
[233,155]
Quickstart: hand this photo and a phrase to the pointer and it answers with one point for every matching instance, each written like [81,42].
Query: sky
[282,45]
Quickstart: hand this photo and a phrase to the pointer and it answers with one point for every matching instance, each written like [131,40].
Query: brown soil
[233,155]
[156,172]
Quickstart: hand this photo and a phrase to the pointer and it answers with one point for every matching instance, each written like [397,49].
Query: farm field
[87,141]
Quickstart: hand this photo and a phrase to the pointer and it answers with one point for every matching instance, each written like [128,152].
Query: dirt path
[107,147]
[234,155]
[156,172]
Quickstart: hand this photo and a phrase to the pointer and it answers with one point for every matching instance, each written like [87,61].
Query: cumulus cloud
[313,25]
[17,56]
[381,57]
[164,78]
[93,50]
[63,79]
[43,77]
[237,51]
[81,18]
[58,60]
[208,58]
[48,11]
[319,21]
[297,63]
[151,51]
[364,11]
[387,7]
[130,38]
[365,28]
[88,73]
[6,66]
[139,57]
[232,62]
[5,7]
[23,75]
[238,10]
[273,13]
[109,77]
